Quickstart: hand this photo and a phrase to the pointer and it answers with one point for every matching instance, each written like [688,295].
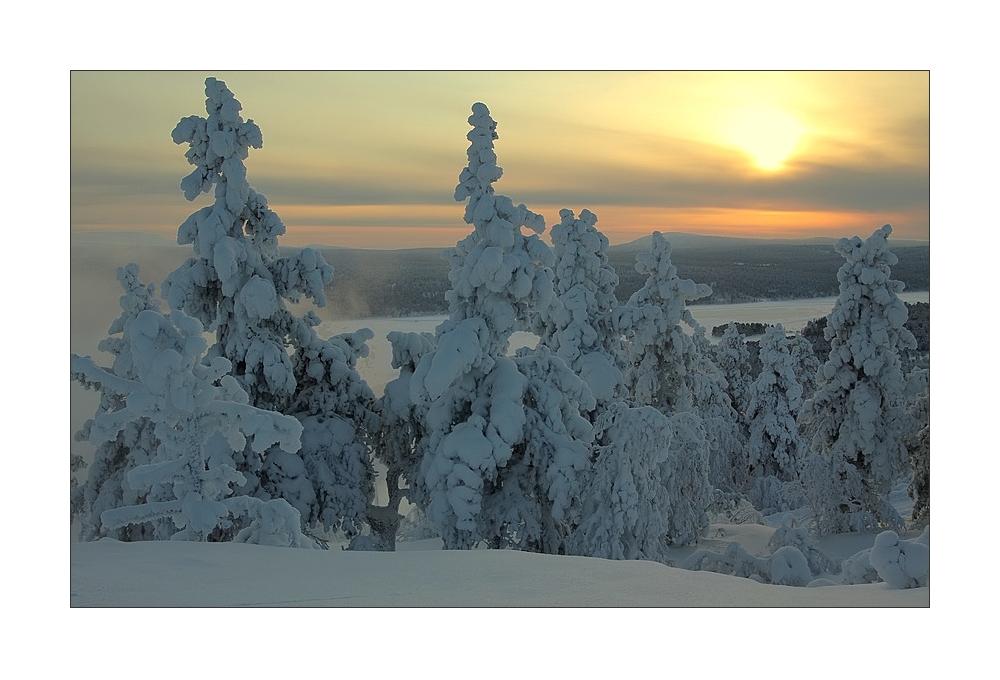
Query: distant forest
[385,283]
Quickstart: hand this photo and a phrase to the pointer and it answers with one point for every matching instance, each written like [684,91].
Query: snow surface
[109,573]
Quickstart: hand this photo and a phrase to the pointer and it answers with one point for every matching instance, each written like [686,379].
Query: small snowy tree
[807,364]
[581,331]
[775,449]
[684,474]
[661,353]
[733,359]
[132,446]
[725,439]
[625,506]
[199,416]
[398,445]
[470,395]
[854,423]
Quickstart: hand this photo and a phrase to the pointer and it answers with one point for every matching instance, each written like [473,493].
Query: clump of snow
[902,564]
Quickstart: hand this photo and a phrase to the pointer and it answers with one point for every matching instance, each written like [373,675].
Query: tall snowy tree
[854,423]
[667,373]
[236,285]
[774,446]
[475,401]
[198,415]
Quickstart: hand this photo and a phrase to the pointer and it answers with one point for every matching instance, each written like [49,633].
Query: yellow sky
[371,159]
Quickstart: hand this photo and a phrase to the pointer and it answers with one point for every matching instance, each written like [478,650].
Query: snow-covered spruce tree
[732,357]
[684,475]
[663,373]
[236,285]
[661,353]
[807,364]
[581,330]
[625,506]
[199,416]
[397,446]
[135,444]
[774,446]
[918,445]
[855,422]
[726,439]
[473,399]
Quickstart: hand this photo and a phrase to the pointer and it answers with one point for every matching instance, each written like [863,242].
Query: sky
[371,158]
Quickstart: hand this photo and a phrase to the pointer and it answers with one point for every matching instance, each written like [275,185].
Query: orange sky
[371,159]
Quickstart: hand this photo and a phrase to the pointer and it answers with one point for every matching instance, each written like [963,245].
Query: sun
[768,135]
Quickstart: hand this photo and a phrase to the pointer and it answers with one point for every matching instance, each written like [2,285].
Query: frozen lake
[792,314]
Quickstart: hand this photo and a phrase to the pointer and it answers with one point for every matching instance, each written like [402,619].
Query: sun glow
[769,136]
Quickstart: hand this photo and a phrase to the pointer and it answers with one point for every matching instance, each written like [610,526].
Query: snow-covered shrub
[902,564]
[625,504]
[857,569]
[734,561]
[729,507]
[199,416]
[800,539]
[787,566]
[855,422]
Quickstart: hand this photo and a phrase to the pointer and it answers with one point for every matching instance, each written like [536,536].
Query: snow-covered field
[419,574]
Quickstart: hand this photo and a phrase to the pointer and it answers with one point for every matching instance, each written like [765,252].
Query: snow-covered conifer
[733,359]
[199,415]
[726,441]
[855,422]
[236,285]
[581,329]
[774,446]
[625,503]
[661,353]
[398,444]
[471,396]
[807,364]
[135,444]
[684,475]
[918,444]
